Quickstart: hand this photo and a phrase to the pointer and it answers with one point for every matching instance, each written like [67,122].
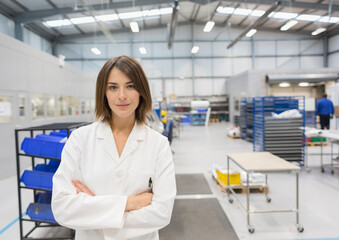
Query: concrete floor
[195,151]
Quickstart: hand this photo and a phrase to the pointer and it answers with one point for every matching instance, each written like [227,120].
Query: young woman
[116,179]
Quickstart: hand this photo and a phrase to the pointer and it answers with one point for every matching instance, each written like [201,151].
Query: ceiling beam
[29,16]
[66,38]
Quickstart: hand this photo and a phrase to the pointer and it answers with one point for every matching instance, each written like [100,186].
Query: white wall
[213,62]
[26,71]
[333,45]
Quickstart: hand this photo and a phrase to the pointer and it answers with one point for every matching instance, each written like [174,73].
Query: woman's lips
[122,106]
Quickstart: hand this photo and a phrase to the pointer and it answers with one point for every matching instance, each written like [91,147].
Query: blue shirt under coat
[325,107]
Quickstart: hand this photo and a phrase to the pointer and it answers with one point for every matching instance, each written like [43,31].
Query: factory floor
[196,149]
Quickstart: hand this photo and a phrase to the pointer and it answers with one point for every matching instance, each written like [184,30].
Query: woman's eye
[112,87]
[131,86]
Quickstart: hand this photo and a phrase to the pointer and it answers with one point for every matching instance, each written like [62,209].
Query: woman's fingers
[80,187]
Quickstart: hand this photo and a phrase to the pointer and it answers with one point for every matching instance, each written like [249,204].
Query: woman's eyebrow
[113,83]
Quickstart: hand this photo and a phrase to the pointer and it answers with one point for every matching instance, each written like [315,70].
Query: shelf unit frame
[38,223]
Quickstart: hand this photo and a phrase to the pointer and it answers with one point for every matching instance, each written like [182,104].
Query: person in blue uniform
[325,110]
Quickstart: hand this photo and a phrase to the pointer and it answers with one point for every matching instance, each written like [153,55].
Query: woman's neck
[122,124]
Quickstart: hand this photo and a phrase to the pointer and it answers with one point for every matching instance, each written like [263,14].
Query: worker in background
[325,110]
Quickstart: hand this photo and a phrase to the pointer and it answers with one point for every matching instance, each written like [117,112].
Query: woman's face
[121,94]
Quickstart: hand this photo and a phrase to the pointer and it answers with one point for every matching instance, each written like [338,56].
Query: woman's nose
[122,93]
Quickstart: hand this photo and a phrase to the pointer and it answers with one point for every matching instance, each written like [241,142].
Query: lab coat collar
[105,134]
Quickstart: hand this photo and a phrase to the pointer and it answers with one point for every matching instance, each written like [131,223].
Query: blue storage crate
[45,168]
[61,133]
[42,148]
[187,119]
[37,179]
[45,197]
[40,212]
[50,138]
[54,163]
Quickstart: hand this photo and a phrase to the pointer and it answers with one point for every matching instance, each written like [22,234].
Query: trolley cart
[263,162]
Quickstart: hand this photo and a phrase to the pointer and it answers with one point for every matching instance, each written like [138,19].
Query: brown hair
[133,71]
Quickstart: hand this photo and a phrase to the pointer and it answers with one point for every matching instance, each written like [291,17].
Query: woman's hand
[80,187]
[139,201]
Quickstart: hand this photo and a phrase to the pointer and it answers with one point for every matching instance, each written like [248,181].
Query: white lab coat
[90,155]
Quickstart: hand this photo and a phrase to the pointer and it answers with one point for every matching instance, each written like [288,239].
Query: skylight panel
[284,15]
[242,11]
[227,10]
[308,17]
[57,23]
[82,20]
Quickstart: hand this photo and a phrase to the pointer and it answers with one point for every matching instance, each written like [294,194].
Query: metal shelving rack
[246,119]
[243,119]
[283,137]
[32,132]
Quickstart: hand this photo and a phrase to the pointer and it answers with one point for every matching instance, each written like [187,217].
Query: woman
[116,179]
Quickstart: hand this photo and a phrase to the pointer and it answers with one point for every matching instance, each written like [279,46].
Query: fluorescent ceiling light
[209,25]
[308,17]
[242,11]
[251,32]
[134,26]
[288,25]
[82,20]
[227,10]
[318,31]
[284,15]
[284,84]
[58,23]
[142,50]
[129,15]
[195,49]
[257,13]
[96,51]
[304,84]
[327,19]
[110,17]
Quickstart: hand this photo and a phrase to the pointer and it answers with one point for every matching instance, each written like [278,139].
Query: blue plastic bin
[37,179]
[54,163]
[61,133]
[45,197]
[42,148]
[45,168]
[187,119]
[49,138]
[40,212]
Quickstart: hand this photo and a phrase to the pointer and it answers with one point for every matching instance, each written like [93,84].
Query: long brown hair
[133,70]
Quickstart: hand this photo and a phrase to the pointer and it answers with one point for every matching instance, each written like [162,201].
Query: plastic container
[45,168]
[235,178]
[42,148]
[54,163]
[40,212]
[37,179]
[61,133]
[50,138]
[45,197]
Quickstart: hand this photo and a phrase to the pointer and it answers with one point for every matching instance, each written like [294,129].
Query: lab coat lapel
[105,136]
[138,134]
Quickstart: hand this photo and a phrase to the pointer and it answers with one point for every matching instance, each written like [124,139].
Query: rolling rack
[283,137]
[39,179]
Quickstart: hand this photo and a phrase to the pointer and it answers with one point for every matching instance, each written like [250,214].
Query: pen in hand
[150,185]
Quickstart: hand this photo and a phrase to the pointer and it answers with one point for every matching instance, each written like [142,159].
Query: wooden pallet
[242,188]
[316,144]
[233,136]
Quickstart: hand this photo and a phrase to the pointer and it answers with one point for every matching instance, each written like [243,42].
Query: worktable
[263,162]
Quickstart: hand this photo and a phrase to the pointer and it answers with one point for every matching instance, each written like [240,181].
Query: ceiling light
[251,32]
[195,49]
[327,19]
[227,10]
[134,26]
[58,23]
[96,51]
[82,20]
[318,31]
[166,11]
[142,50]
[304,84]
[284,15]
[242,11]
[209,25]
[288,25]
[257,13]
[284,84]
[129,15]
[308,17]
[110,17]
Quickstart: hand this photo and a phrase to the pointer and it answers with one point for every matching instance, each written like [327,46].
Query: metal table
[333,137]
[263,162]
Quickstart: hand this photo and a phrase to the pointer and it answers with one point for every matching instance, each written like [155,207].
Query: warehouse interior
[229,80]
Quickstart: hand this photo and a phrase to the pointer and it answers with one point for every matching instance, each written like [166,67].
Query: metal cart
[263,162]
